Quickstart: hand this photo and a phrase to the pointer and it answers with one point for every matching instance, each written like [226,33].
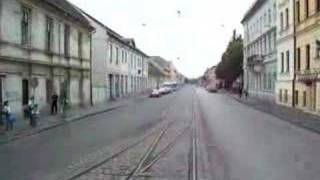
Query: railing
[308,75]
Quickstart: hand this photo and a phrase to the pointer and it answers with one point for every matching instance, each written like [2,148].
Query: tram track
[150,152]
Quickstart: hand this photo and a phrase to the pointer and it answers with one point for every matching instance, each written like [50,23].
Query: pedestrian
[9,117]
[240,92]
[33,112]
[54,104]
[246,93]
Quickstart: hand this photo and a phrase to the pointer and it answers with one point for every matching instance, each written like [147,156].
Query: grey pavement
[47,121]
[246,144]
[294,116]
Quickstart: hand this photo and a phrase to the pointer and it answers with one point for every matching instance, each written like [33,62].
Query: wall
[18,62]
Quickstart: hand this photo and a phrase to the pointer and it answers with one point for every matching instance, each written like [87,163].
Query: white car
[165,90]
[155,93]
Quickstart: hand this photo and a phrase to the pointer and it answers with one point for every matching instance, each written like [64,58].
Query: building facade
[44,49]
[285,52]
[260,53]
[99,56]
[127,67]
[210,79]
[307,90]
[119,68]
[157,74]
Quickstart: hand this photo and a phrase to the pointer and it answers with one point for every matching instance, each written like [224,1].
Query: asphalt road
[242,143]
[46,155]
[251,145]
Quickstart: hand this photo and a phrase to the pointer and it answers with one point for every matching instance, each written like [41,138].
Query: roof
[71,10]
[253,9]
[160,61]
[126,41]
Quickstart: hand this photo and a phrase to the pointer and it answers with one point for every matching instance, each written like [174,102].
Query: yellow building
[307,59]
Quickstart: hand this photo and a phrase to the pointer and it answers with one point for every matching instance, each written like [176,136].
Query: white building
[44,49]
[127,67]
[285,47]
[119,68]
[260,53]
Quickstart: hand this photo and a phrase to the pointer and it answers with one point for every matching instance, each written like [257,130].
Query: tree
[230,66]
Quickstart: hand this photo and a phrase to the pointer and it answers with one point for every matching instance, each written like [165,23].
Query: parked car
[155,93]
[165,90]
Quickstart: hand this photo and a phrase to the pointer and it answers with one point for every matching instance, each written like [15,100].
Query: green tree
[230,66]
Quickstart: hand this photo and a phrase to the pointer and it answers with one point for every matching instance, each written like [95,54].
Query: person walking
[9,118]
[240,92]
[32,111]
[54,104]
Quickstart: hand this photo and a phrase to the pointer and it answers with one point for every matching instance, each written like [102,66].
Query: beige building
[307,90]
[44,49]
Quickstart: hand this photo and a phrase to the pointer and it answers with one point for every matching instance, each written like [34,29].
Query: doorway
[1,98]
[49,90]
[25,91]
[111,86]
[117,86]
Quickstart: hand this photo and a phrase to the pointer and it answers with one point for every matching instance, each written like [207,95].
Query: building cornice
[253,9]
[32,49]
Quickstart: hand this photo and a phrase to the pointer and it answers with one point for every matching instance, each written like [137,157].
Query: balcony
[255,62]
[308,76]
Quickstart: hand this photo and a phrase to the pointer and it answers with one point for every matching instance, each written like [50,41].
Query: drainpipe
[91,86]
[294,56]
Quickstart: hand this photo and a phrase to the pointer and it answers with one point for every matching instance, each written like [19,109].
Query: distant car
[212,89]
[155,93]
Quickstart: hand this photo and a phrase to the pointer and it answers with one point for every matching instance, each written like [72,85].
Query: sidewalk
[46,122]
[293,116]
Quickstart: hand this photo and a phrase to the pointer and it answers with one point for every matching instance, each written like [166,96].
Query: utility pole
[294,55]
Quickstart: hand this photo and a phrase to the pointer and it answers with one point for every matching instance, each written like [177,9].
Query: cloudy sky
[193,40]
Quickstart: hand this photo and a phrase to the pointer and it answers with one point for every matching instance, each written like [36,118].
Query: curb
[60,123]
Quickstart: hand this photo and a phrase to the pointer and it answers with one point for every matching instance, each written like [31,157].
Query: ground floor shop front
[259,81]
[306,95]
[21,81]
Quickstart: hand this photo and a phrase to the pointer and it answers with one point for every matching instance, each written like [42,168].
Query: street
[179,136]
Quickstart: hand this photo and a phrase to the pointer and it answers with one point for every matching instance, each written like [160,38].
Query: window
[317,48]
[269,16]
[66,40]
[117,55]
[308,57]
[298,10]
[287,18]
[281,21]
[282,62]
[25,25]
[286,96]
[304,98]
[110,53]
[298,68]
[296,101]
[280,95]
[318,5]
[269,81]
[122,56]
[49,33]
[288,61]
[80,44]
[306,8]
